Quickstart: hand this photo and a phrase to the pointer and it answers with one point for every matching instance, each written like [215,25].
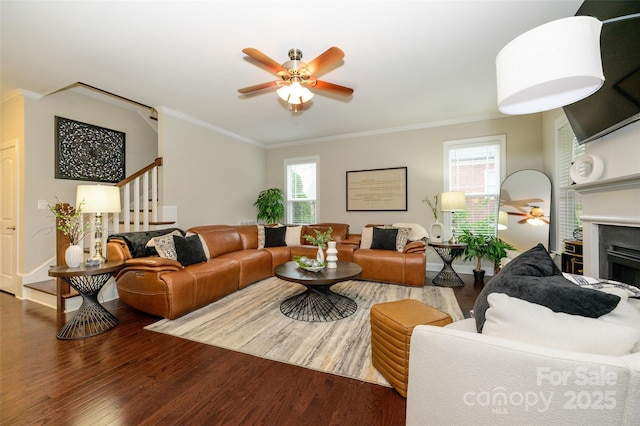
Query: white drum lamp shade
[553,65]
[452,201]
[98,198]
[503,220]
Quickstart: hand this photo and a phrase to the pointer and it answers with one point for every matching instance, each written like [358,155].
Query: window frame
[499,139]
[287,202]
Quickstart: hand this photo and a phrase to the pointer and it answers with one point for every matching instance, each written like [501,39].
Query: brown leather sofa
[163,287]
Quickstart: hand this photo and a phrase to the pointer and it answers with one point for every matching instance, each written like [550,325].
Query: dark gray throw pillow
[384,238]
[189,250]
[534,277]
[137,241]
[275,236]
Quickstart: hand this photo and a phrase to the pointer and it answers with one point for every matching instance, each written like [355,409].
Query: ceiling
[411,64]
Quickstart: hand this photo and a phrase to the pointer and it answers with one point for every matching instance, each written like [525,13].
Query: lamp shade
[452,201]
[98,198]
[553,65]
[503,220]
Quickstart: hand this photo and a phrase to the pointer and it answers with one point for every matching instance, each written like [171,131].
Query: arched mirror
[525,206]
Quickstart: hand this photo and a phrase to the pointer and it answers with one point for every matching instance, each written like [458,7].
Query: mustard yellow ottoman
[391,326]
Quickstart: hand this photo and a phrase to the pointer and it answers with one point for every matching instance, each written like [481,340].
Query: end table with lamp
[447,277]
[92,318]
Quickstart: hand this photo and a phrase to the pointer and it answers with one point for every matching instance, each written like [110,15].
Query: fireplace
[619,253]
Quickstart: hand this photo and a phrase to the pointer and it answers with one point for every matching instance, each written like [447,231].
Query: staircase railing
[139,200]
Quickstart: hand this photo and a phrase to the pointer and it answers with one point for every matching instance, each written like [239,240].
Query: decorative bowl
[313,268]
[307,264]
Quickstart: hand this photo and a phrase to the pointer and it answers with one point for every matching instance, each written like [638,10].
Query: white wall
[39,169]
[208,176]
[421,151]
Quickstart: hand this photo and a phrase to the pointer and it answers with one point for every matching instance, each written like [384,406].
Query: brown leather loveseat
[234,260]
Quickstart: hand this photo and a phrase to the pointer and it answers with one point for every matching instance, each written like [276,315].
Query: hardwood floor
[133,376]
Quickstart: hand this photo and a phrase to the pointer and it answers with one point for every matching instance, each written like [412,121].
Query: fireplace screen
[620,253]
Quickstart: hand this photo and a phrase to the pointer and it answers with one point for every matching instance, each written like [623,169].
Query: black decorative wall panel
[88,152]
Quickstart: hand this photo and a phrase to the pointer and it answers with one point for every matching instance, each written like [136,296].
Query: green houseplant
[270,205]
[483,247]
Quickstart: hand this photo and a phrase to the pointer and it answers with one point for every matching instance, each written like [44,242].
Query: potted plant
[270,205]
[69,221]
[483,247]
[321,239]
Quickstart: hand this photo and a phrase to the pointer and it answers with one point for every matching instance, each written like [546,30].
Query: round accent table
[447,277]
[92,318]
[318,303]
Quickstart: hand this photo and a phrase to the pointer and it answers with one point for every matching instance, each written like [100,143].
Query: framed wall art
[88,152]
[377,190]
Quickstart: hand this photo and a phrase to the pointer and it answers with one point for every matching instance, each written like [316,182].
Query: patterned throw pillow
[402,238]
[602,284]
[164,245]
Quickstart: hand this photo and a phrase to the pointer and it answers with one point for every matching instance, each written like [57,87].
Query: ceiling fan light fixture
[294,93]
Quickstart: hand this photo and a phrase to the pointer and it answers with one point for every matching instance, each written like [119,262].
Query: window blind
[569,201]
[301,191]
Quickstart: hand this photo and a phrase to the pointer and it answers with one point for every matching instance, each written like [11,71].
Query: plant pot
[478,276]
[73,256]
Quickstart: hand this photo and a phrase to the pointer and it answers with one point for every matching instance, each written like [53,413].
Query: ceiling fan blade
[272,65]
[330,87]
[523,221]
[259,87]
[330,56]
[519,214]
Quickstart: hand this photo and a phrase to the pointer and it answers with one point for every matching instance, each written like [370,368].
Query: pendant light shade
[550,66]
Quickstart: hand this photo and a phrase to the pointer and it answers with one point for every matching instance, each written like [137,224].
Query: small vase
[320,255]
[73,255]
[332,255]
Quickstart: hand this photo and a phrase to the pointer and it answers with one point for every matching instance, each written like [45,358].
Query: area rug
[250,321]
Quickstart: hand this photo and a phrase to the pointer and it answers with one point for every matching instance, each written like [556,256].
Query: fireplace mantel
[621,182]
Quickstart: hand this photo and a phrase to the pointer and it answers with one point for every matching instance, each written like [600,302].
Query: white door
[8,216]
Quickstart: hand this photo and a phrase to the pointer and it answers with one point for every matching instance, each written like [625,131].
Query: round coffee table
[318,303]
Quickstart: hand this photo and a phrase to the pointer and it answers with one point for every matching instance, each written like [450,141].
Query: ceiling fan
[297,77]
[520,205]
[535,217]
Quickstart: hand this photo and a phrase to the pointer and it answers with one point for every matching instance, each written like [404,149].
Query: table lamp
[453,202]
[98,199]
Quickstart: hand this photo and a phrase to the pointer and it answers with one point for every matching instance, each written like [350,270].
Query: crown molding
[377,132]
[209,126]
[17,93]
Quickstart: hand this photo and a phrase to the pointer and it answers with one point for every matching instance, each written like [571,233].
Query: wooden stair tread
[49,287]
[151,223]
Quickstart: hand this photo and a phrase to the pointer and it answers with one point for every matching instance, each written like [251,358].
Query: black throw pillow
[384,238]
[137,241]
[189,250]
[534,277]
[275,236]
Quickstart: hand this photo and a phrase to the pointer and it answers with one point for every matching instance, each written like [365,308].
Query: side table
[92,318]
[447,277]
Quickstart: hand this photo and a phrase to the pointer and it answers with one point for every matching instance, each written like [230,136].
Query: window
[476,167]
[569,202]
[301,190]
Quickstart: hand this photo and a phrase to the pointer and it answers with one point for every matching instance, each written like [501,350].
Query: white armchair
[457,376]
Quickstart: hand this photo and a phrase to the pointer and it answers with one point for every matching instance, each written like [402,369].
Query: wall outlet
[42,204]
